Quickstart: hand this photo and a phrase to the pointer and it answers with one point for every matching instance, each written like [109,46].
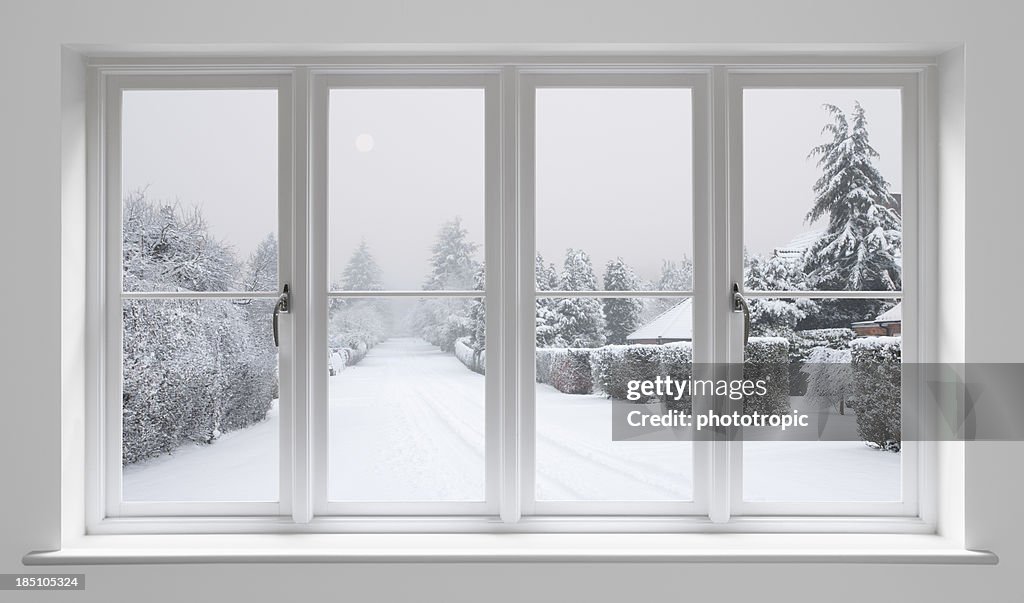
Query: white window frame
[509,506]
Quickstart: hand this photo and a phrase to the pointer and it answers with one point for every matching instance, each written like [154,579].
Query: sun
[364,143]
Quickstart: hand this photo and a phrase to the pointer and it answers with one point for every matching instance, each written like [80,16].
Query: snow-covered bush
[192,370]
[567,370]
[767,358]
[616,366]
[475,360]
[677,364]
[829,377]
[877,390]
[608,369]
[571,373]
[836,339]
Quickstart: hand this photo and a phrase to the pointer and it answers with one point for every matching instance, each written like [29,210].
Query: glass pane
[578,378]
[406,399]
[822,189]
[200,401]
[614,179]
[845,376]
[199,171]
[406,185]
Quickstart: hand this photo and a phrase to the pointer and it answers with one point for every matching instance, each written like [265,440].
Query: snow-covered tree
[441,321]
[261,267]
[166,246]
[361,272]
[478,313]
[860,249]
[546,276]
[579,320]
[453,258]
[676,276]
[621,314]
[358,323]
[775,317]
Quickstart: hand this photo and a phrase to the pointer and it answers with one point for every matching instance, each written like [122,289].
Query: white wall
[31,35]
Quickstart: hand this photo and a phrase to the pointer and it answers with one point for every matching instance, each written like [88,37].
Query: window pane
[614,179]
[822,188]
[406,181]
[406,399]
[579,376]
[200,190]
[200,401]
[846,377]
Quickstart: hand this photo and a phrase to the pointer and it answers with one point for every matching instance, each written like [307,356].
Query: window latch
[739,304]
[283,306]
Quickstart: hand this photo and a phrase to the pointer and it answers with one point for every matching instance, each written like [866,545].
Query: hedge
[877,390]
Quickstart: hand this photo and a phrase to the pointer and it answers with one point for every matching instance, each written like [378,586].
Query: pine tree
[546,277]
[441,321]
[453,258]
[361,272]
[769,316]
[622,314]
[478,313]
[860,249]
[579,320]
[676,277]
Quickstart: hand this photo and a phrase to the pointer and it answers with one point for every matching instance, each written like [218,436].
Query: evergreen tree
[860,250]
[478,313]
[546,277]
[361,272]
[579,320]
[441,321]
[676,277]
[775,317]
[622,314]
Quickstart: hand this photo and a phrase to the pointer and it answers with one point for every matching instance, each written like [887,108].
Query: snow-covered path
[407,423]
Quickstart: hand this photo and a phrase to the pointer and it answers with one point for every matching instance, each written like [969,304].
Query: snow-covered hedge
[566,369]
[829,377]
[835,339]
[877,390]
[474,360]
[614,366]
[192,369]
[767,358]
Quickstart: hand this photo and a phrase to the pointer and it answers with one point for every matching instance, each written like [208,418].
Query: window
[417,298]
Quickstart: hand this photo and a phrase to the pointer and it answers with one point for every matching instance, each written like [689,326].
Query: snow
[407,424]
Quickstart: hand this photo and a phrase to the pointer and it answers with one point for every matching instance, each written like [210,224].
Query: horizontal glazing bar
[828,294]
[543,294]
[199,294]
[406,294]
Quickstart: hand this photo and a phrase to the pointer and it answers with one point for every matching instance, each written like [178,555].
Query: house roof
[798,244]
[676,323]
[893,314]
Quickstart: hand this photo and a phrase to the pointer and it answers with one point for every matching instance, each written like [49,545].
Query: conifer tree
[579,320]
[621,314]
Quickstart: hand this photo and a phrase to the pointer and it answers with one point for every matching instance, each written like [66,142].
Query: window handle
[283,306]
[739,304]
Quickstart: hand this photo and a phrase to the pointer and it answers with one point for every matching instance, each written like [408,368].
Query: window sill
[430,548]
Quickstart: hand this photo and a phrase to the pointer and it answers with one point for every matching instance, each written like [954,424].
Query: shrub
[677,364]
[475,360]
[877,383]
[609,370]
[570,372]
[767,358]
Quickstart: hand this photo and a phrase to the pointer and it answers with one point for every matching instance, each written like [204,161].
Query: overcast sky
[614,170]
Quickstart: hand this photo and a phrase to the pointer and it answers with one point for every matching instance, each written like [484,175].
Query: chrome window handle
[739,304]
[283,306]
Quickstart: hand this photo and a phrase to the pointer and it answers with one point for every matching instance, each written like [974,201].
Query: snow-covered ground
[407,423]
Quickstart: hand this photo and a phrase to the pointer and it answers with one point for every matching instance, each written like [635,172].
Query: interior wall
[37,234]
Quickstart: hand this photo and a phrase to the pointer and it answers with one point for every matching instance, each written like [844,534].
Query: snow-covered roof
[798,244]
[676,324]
[893,314]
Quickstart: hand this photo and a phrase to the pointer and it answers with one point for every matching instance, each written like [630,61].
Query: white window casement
[520,152]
